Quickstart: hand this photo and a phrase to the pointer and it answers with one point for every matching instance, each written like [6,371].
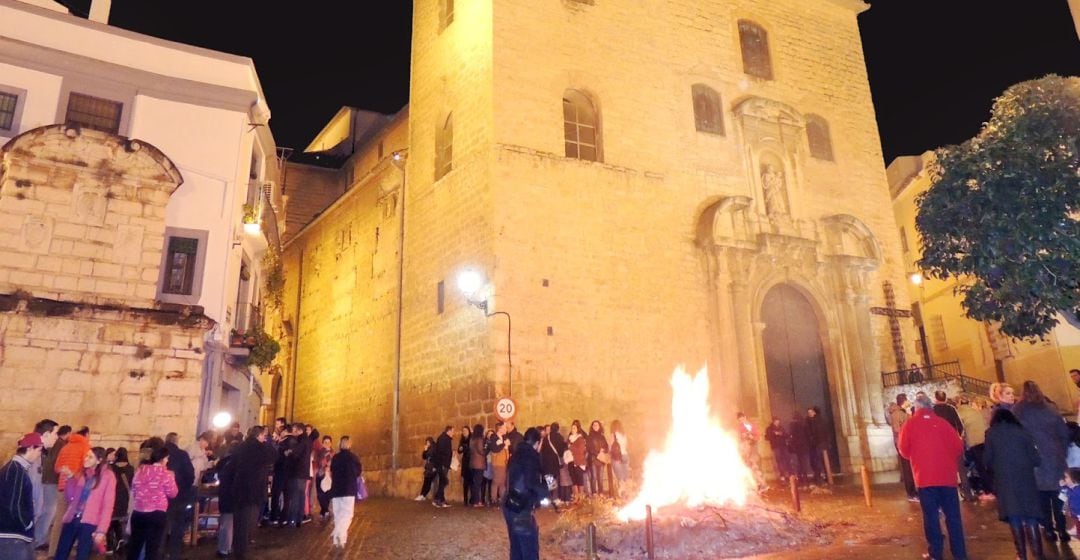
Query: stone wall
[600,264]
[82,339]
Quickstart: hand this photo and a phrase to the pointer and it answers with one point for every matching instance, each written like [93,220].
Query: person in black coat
[466,460]
[820,440]
[431,474]
[1010,452]
[299,472]
[242,487]
[345,471]
[596,443]
[527,492]
[559,443]
[176,516]
[778,438]
[444,456]
[550,458]
[1042,420]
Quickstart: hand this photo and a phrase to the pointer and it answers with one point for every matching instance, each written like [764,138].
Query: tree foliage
[1002,214]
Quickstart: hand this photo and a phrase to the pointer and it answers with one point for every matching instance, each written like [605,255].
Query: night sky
[935,65]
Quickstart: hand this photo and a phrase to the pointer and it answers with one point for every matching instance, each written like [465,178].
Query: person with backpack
[90,495]
[527,491]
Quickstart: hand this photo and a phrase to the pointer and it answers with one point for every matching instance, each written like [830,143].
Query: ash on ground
[685,533]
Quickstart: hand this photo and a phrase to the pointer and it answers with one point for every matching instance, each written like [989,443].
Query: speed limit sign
[506,409]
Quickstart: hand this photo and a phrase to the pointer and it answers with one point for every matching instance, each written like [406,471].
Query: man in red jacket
[933,447]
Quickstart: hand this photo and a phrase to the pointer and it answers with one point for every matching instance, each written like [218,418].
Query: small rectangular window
[8,102]
[441,296]
[180,265]
[94,112]
[903,240]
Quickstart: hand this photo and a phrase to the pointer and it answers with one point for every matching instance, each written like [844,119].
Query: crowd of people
[62,495]
[581,463]
[799,449]
[1019,451]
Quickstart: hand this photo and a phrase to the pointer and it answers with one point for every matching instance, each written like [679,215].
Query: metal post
[590,542]
[649,534]
[828,465]
[796,500]
[867,493]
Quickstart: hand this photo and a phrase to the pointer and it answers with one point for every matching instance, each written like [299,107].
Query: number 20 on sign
[506,409]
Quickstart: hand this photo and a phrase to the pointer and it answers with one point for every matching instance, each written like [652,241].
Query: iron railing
[935,372]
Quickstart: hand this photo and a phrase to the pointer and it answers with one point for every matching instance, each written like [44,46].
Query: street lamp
[222,420]
[917,278]
[471,283]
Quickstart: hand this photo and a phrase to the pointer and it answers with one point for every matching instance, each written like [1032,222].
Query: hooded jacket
[16,501]
[71,456]
[933,447]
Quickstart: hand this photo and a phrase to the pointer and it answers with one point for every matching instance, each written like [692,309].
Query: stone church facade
[641,187]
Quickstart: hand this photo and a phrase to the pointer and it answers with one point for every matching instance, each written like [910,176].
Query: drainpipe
[296,337]
[399,157]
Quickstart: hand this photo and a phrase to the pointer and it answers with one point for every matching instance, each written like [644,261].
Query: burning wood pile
[699,490]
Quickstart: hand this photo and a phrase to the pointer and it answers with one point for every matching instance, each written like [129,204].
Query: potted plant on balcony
[264,350]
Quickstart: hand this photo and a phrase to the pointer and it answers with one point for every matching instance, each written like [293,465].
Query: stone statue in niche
[774,187]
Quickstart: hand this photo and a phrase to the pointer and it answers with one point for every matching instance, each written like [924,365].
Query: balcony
[936,373]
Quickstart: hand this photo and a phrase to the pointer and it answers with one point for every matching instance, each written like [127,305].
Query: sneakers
[420,498]
[440,504]
[913,499]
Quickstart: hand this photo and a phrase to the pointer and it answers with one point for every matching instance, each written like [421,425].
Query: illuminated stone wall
[614,272]
[82,341]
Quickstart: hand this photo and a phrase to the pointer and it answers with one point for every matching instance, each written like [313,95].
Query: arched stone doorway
[796,375]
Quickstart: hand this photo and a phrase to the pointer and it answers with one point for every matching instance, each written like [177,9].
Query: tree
[1002,214]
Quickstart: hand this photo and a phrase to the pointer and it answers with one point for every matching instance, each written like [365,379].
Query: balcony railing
[935,372]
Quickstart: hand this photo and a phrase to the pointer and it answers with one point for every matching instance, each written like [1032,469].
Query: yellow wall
[952,336]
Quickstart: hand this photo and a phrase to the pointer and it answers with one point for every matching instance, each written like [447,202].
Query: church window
[581,130]
[9,101]
[182,267]
[444,147]
[817,133]
[446,13]
[94,112]
[754,41]
[708,114]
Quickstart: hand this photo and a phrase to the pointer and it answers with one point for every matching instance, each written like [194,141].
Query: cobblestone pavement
[387,529]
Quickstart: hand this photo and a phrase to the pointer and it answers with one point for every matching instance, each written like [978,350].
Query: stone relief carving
[90,204]
[127,247]
[36,234]
[774,188]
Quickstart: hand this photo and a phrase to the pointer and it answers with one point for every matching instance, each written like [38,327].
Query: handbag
[361,489]
[455,463]
[603,457]
[567,457]
[325,484]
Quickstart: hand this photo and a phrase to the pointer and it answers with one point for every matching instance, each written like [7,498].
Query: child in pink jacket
[89,495]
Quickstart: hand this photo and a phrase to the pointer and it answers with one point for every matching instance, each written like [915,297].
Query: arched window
[754,41]
[446,13]
[581,126]
[444,147]
[708,113]
[817,133]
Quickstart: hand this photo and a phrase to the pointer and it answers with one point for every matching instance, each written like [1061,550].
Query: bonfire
[700,491]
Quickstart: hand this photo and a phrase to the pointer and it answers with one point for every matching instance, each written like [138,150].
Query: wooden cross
[890,310]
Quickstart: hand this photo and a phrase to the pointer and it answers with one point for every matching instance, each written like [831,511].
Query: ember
[700,463]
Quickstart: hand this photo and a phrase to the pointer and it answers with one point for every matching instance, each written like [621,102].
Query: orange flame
[700,463]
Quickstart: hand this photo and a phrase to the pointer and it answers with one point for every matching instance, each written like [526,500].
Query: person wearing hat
[17,500]
[527,491]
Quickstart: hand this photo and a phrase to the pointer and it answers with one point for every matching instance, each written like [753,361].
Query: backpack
[616,450]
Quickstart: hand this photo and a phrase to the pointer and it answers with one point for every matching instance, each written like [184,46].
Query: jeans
[596,473]
[466,482]
[817,462]
[44,519]
[1053,512]
[15,549]
[225,533]
[72,533]
[279,497]
[147,531]
[440,490]
[58,515]
[943,499]
[783,462]
[477,490]
[295,500]
[524,535]
[177,524]
[430,476]
[343,514]
[245,519]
